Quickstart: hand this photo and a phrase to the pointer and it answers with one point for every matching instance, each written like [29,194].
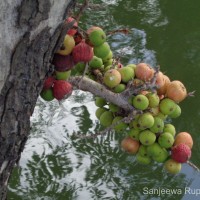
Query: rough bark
[30,33]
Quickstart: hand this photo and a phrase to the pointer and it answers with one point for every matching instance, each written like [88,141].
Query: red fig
[63,63]
[73,30]
[82,52]
[61,89]
[181,153]
[48,83]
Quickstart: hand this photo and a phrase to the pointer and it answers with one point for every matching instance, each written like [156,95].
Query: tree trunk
[30,33]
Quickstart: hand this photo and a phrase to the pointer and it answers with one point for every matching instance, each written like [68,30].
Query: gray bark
[30,33]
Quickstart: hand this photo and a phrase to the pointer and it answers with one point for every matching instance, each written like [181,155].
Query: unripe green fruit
[133,66]
[127,74]
[158,125]
[172,166]
[113,107]
[162,157]
[96,63]
[161,115]
[102,51]
[134,133]
[147,137]
[99,112]
[120,88]
[154,111]
[154,150]
[100,102]
[47,95]
[121,125]
[153,99]
[166,140]
[142,150]
[134,123]
[144,160]
[63,75]
[145,121]
[170,128]
[107,63]
[140,102]
[97,36]
[108,57]
[167,106]
[112,78]
[176,113]
[106,118]
[80,67]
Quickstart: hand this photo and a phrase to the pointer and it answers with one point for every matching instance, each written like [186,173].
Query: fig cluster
[151,136]
[155,98]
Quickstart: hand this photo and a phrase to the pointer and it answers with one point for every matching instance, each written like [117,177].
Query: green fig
[102,51]
[154,150]
[112,78]
[121,125]
[127,74]
[108,57]
[143,150]
[100,111]
[63,75]
[145,121]
[153,99]
[140,102]
[134,133]
[147,137]
[80,67]
[47,95]
[162,157]
[166,140]
[96,63]
[113,107]
[158,125]
[176,113]
[145,160]
[133,66]
[100,102]
[96,36]
[170,128]
[120,88]
[106,118]
[167,106]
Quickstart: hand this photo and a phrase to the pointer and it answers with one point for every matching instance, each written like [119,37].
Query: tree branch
[97,89]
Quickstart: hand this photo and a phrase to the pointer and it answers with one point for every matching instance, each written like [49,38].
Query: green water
[55,166]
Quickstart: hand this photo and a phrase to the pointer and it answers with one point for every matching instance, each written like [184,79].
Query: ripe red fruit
[73,30]
[48,83]
[181,153]
[82,52]
[63,63]
[61,89]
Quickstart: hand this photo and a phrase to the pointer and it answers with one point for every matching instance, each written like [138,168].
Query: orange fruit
[144,72]
[176,91]
[185,138]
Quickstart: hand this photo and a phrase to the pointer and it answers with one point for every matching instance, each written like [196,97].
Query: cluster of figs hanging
[150,135]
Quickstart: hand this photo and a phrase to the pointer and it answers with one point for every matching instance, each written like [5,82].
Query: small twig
[191,94]
[82,9]
[193,165]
